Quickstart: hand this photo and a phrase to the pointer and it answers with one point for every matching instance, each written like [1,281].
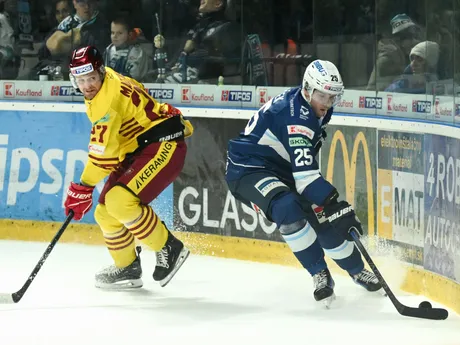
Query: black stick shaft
[20,293]
[424,313]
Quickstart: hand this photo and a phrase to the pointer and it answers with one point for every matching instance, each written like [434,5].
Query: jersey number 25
[303,157]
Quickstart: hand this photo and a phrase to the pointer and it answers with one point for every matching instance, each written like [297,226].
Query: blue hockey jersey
[281,138]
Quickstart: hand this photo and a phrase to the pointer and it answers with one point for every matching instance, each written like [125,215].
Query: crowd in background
[406,46]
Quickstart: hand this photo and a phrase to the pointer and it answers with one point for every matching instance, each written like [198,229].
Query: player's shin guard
[347,257]
[343,252]
[302,240]
[149,229]
[121,247]
[119,241]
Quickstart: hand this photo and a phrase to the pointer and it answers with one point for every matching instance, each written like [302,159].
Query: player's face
[119,34]
[89,84]
[321,102]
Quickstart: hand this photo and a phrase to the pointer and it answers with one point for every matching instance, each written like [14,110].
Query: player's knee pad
[122,204]
[286,208]
[292,228]
[299,235]
[106,222]
[100,214]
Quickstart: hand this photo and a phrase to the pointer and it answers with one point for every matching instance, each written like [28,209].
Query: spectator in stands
[392,52]
[8,63]
[87,26]
[124,55]
[422,69]
[62,9]
[213,47]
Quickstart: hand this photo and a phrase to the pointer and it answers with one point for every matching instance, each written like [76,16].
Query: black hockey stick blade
[15,297]
[423,313]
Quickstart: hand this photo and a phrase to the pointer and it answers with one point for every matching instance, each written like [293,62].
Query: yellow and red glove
[168,110]
[79,200]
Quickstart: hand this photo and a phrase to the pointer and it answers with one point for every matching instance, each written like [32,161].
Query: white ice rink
[210,301]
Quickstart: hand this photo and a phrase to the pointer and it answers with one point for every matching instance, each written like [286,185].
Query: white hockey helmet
[323,76]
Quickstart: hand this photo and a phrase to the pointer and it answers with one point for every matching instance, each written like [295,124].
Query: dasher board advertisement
[442,206]
[202,201]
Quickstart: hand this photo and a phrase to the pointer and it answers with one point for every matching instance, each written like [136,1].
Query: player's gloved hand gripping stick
[15,297]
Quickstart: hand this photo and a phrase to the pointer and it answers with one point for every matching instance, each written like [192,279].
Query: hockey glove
[321,139]
[168,110]
[79,199]
[342,217]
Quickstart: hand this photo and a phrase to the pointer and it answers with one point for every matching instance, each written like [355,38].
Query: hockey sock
[343,252]
[302,240]
[119,241]
[121,247]
[149,229]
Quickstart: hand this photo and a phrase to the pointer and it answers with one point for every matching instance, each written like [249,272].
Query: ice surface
[210,301]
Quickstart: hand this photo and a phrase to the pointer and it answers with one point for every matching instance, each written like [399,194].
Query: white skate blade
[121,285]
[6,298]
[328,301]
[183,255]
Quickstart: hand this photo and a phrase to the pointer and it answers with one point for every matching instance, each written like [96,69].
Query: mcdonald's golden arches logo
[350,171]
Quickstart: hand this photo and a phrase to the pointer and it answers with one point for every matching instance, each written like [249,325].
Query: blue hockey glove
[321,139]
[342,217]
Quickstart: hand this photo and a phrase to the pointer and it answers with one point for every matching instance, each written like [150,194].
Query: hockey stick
[15,297]
[420,312]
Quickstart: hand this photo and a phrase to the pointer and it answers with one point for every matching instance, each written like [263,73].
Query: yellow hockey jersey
[120,112]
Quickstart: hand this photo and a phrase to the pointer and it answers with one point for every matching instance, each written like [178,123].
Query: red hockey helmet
[85,60]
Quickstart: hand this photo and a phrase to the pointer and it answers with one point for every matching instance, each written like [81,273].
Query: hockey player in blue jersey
[272,167]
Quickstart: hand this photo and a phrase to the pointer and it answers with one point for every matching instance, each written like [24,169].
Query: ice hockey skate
[368,280]
[324,287]
[169,259]
[116,278]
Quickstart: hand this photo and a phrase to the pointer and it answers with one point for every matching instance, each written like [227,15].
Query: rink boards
[403,177]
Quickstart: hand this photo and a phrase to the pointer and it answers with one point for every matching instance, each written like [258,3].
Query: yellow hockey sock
[121,246]
[149,229]
[119,241]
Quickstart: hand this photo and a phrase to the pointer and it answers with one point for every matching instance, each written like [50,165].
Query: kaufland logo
[391,106]
[439,110]
[345,104]
[236,96]
[263,96]
[187,96]
[10,91]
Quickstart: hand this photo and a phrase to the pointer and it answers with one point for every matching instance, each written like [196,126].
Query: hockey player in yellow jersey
[139,144]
